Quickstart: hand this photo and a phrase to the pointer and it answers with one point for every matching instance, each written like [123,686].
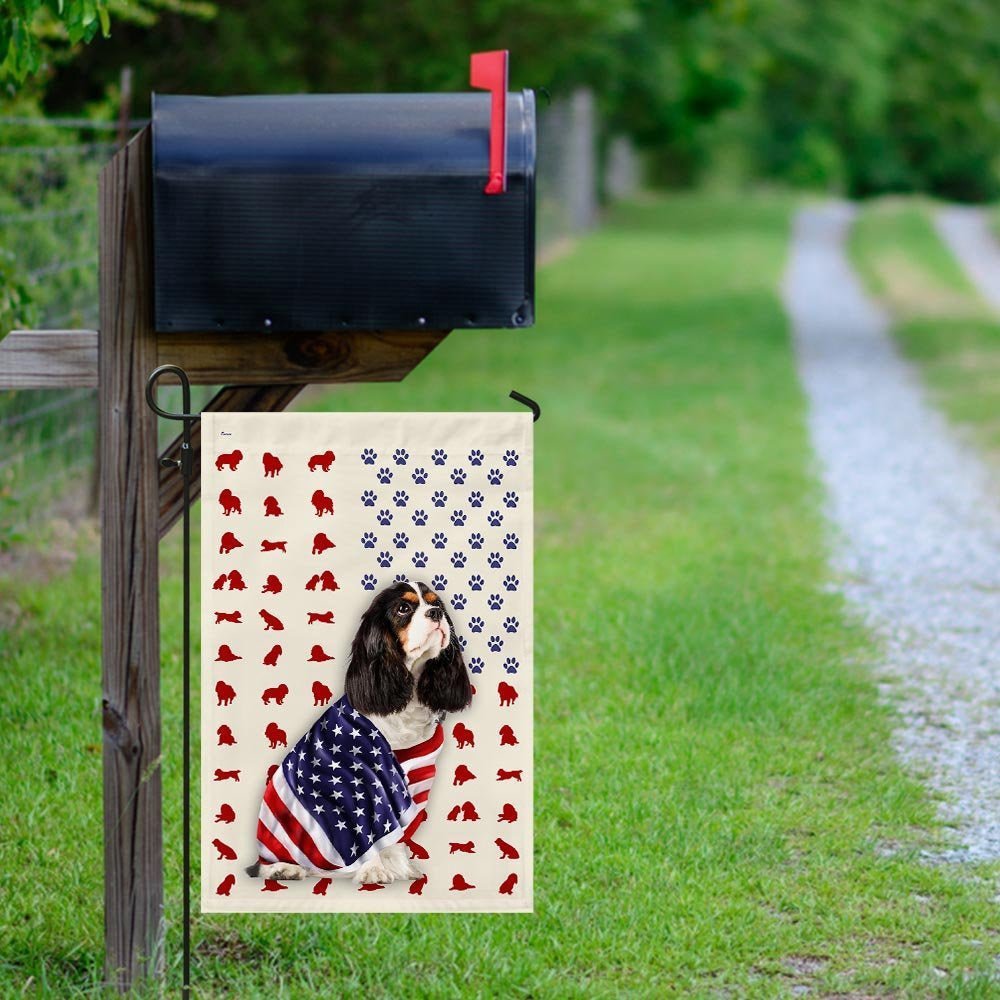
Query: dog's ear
[444,684]
[377,681]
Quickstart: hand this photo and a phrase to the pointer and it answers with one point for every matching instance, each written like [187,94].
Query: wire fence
[48,224]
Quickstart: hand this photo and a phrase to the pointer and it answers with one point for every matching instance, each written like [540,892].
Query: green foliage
[27,26]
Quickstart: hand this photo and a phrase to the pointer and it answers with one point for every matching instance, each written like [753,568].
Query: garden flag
[391,538]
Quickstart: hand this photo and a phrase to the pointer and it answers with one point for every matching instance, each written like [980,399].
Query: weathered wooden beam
[259,399]
[49,359]
[133,836]
[56,359]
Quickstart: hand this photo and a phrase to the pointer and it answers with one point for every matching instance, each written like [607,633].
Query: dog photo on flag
[366,662]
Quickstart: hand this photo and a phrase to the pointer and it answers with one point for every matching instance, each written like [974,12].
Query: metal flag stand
[186,466]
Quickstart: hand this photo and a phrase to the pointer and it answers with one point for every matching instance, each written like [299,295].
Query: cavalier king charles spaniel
[406,671]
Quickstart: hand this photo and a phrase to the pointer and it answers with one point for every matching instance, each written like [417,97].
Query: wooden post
[133,836]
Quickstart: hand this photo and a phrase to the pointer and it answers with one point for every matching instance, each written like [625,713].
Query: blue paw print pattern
[476,624]
[458,518]
[368,581]
[511,583]
[439,498]
[495,643]
[439,540]
[401,578]
[419,517]
[440,582]
[475,582]
[494,602]
[400,498]
[475,499]
[511,624]
[420,476]
[476,665]
[458,559]
[384,475]
[510,498]
[385,559]
[495,560]
[510,457]
[510,540]
[368,456]
[458,601]
[368,540]
[419,559]
[495,477]
[475,457]
[495,518]
[439,457]
[463,642]
[475,540]
[400,456]
[511,664]
[400,540]
[368,498]
[458,476]
[384,517]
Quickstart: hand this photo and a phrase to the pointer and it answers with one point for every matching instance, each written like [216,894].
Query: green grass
[718,810]
[940,321]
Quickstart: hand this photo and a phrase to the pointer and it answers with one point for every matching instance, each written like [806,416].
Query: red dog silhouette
[271,507]
[225,885]
[508,814]
[469,812]
[462,775]
[507,851]
[266,546]
[233,460]
[322,503]
[416,851]
[275,736]
[224,693]
[228,616]
[220,583]
[455,813]
[503,775]
[328,582]
[370,887]
[464,735]
[321,694]
[319,889]
[507,694]
[230,503]
[221,775]
[271,660]
[270,771]
[313,582]
[507,737]
[226,738]
[226,814]
[226,655]
[277,694]
[272,465]
[272,885]
[467,848]
[316,655]
[272,585]
[228,542]
[270,621]
[458,883]
[321,543]
[326,617]
[236,580]
[507,885]
[323,461]
[226,853]
[417,886]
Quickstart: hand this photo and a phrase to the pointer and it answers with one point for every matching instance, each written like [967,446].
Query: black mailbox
[341,211]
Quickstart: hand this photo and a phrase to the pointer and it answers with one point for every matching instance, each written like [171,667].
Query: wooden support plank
[48,359]
[259,399]
[133,837]
[55,359]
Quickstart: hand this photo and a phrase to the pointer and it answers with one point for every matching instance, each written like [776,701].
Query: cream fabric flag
[306,517]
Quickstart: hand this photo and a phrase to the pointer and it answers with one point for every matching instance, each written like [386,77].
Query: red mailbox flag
[488,71]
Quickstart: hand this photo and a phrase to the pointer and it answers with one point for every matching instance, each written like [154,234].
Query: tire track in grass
[917,544]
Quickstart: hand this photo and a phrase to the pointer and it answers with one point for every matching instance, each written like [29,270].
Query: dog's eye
[403,608]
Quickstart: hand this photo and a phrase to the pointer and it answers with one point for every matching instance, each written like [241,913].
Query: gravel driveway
[966,231]
[916,536]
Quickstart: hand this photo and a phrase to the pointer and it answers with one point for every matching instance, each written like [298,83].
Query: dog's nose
[435,614]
